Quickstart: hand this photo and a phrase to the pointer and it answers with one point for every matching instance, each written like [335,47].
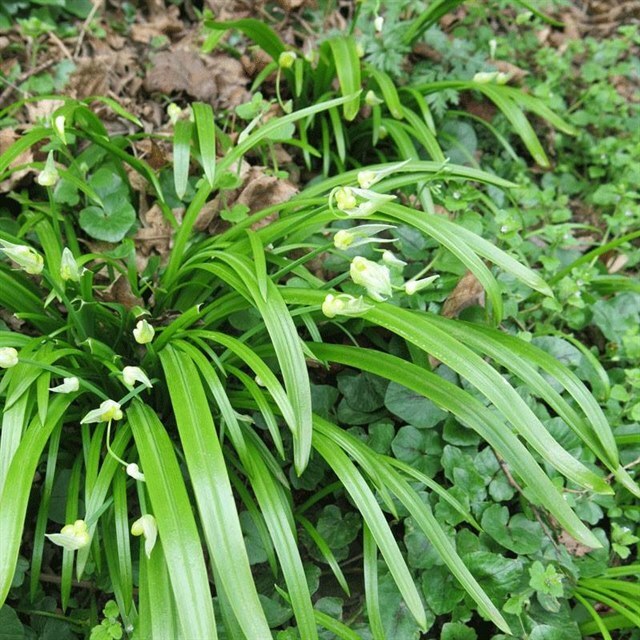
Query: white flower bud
[132,375]
[69,269]
[133,470]
[174,112]
[49,176]
[8,357]
[286,59]
[357,236]
[368,178]
[69,385]
[108,410]
[344,305]
[375,278]
[345,198]
[72,536]
[29,259]
[390,259]
[378,23]
[413,286]
[58,127]
[144,332]
[146,526]
[372,99]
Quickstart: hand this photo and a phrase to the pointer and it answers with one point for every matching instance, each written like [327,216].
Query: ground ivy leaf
[10,626]
[457,631]
[497,575]
[413,408]
[381,435]
[521,535]
[338,530]
[109,224]
[363,391]
[441,590]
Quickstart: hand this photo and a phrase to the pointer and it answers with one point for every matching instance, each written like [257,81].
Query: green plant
[207,387]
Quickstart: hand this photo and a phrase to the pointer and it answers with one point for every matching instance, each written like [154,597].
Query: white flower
[344,305]
[69,269]
[390,259]
[108,410]
[69,385]
[374,277]
[133,470]
[413,286]
[72,536]
[174,112]
[131,375]
[58,127]
[357,236]
[29,259]
[49,176]
[8,357]
[372,99]
[146,526]
[286,59]
[143,332]
[493,45]
[345,198]
[368,178]
[378,23]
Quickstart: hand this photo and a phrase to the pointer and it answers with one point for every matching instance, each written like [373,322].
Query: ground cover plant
[397,401]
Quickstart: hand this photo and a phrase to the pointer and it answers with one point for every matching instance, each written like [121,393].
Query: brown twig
[23,76]
[85,25]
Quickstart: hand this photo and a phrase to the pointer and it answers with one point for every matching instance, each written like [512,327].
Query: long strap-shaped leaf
[347,63]
[278,517]
[176,524]
[417,329]
[212,488]
[288,348]
[15,495]
[357,487]
[472,413]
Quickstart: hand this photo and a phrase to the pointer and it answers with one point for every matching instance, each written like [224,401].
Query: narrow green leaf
[181,155]
[205,126]
[212,488]
[347,63]
[176,525]
[372,598]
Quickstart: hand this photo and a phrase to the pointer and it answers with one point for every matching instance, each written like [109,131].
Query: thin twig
[85,25]
[23,76]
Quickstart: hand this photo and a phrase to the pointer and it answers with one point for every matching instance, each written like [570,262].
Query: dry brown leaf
[467,292]
[181,71]
[153,237]
[574,547]
[167,23]
[263,191]
[515,73]
[121,293]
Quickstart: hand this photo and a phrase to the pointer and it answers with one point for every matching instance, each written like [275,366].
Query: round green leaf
[109,224]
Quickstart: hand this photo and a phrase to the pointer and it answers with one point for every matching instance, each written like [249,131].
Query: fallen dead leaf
[263,191]
[574,547]
[516,74]
[167,23]
[121,293]
[181,71]
[467,292]
[153,237]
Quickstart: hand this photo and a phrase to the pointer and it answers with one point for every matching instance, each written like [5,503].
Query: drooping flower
[174,112]
[378,23]
[346,199]
[69,269]
[349,238]
[371,99]
[58,127]
[344,305]
[286,59]
[29,259]
[69,385]
[413,286]
[72,536]
[131,375]
[8,357]
[146,526]
[133,470]
[108,410]
[391,260]
[49,176]
[144,332]
[374,277]
[367,178]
